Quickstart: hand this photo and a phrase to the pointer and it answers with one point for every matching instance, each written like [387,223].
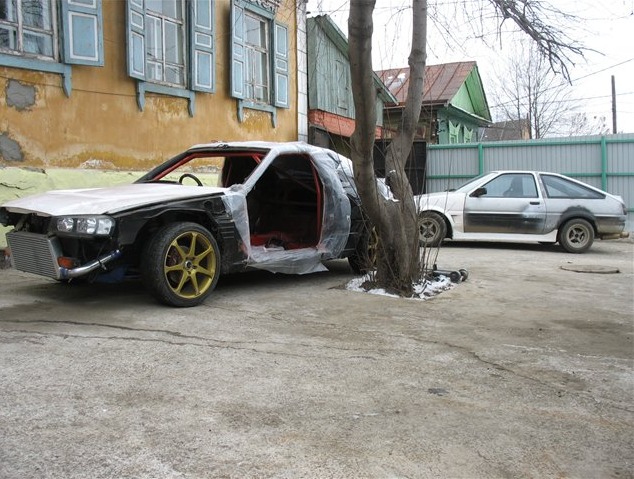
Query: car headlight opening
[85,225]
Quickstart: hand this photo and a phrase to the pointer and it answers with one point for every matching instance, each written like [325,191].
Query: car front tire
[181,264]
[432,228]
[576,236]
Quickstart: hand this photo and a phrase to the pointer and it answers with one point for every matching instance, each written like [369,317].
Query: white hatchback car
[519,206]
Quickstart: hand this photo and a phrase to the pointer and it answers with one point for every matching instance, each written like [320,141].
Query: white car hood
[444,200]
[110,200]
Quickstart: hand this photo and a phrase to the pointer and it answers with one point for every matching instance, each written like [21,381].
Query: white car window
[557,187]
[511,185]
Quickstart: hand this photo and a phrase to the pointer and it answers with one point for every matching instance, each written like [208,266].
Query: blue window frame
[468,135]
[259,58]
[454,132]
[50,35]
[171,48]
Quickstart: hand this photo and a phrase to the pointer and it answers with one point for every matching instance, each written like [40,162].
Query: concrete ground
[524,370]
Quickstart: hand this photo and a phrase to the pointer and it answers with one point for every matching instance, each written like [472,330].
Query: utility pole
[613,105]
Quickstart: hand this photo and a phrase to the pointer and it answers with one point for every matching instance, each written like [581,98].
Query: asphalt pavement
[524,370]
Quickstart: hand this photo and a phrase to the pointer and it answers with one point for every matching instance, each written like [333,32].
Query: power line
[604,69]
[568,100]
[577,79]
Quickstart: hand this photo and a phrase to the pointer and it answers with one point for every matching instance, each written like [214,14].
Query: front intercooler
[35,253]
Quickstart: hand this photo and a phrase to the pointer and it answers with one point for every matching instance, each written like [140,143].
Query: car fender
[450,204]
[577,212]
[200,210]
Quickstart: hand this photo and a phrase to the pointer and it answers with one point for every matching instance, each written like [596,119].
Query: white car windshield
[469,184]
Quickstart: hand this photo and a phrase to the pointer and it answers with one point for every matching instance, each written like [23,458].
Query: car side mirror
[479,192]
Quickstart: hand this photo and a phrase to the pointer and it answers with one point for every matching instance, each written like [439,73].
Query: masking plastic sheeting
[335,221]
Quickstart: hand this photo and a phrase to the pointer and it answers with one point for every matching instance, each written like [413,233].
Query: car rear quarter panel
[605,215]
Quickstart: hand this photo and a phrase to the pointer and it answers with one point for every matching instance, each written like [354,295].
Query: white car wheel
[432,228]
[576,236]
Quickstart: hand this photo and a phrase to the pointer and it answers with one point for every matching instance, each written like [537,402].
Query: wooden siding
[329,81]
[326,62]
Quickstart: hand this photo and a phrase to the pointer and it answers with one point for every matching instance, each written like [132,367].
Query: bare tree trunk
[395,221]
[399,259]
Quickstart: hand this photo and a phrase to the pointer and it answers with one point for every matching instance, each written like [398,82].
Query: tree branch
[531,17]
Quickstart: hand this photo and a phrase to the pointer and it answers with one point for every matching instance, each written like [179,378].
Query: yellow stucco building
[124,84]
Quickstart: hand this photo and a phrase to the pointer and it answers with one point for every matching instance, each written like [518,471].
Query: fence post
[480,158]
[604,163]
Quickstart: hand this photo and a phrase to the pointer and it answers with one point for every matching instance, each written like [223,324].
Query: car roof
[255,145]
[523,171]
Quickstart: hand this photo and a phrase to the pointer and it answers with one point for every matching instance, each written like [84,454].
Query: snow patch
[424,289]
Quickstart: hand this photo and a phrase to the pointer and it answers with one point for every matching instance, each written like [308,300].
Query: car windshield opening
[237,168]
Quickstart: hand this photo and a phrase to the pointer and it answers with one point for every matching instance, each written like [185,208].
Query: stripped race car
[518,206]
[213,209]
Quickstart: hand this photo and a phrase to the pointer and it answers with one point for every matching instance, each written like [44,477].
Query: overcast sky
[606,26]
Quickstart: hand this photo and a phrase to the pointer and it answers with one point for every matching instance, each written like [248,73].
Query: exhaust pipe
[66,273]
[611,236]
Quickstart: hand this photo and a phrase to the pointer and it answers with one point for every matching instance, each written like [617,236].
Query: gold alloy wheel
[373,248]
[190,265]
[364,258]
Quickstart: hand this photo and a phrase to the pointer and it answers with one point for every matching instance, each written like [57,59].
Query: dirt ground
[524,370]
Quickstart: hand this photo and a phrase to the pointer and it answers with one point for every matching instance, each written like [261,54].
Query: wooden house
[454,103]
[331,113]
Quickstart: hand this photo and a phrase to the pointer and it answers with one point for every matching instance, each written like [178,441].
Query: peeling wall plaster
[19,95]
[10,149]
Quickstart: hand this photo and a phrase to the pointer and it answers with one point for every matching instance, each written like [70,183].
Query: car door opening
[285,205]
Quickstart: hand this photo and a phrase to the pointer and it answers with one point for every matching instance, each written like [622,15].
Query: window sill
[242,104]
[144,87]
[15,61]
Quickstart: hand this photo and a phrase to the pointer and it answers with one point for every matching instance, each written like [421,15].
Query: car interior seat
[516,190]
